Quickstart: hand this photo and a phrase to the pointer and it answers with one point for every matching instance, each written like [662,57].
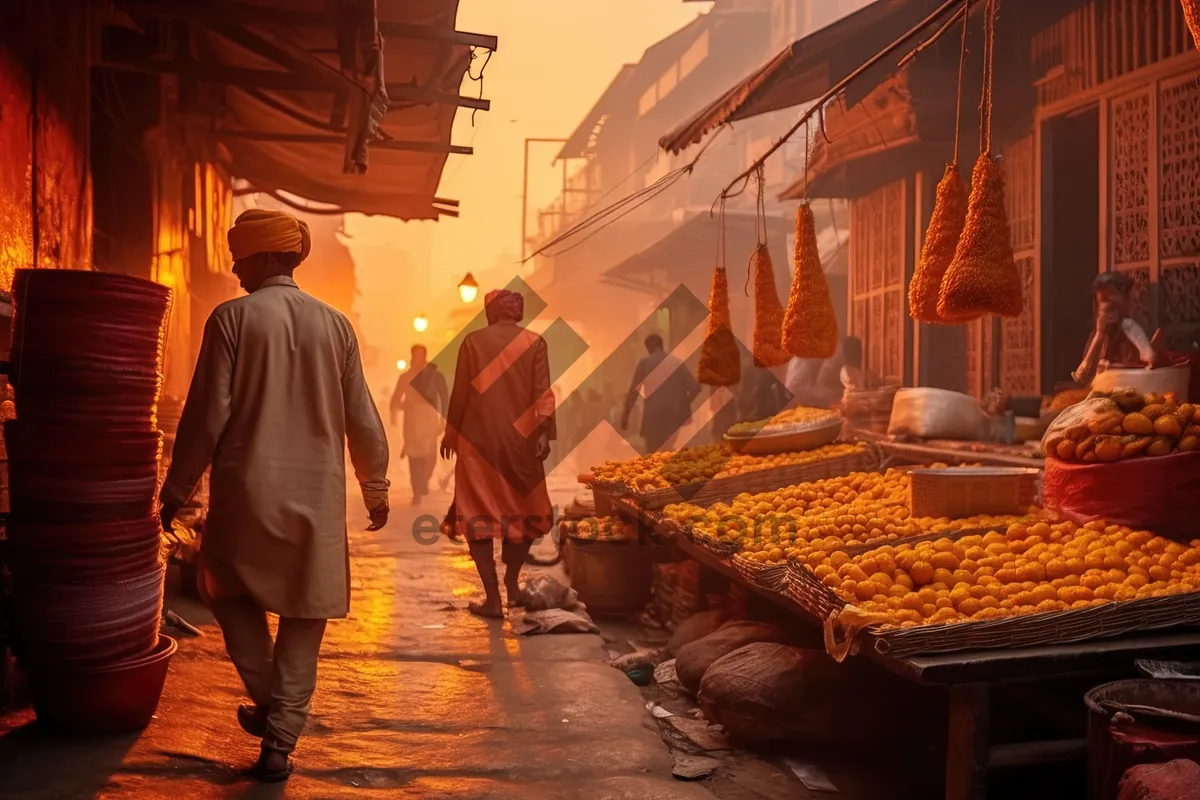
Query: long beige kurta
[277,393]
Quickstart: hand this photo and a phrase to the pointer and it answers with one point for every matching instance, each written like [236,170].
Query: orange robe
[501,400]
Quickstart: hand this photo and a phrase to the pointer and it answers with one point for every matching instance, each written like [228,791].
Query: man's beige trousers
[279,675]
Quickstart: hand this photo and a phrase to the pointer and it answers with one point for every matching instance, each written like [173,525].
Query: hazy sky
[554,59]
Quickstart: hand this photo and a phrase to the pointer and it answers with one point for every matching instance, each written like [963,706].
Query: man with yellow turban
[277,394]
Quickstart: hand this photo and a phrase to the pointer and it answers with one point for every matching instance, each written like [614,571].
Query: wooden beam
[279,80]
[222,73]
[415,95]
[404,30]
[324,138]
[279,17]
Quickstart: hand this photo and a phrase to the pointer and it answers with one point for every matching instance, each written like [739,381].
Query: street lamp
[420,323]
[402,365]
[468,290]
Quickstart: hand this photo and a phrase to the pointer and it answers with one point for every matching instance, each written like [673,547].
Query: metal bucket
[1129,724]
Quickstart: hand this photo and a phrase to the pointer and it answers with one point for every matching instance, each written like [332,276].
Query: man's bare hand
[447,449]
[542,448]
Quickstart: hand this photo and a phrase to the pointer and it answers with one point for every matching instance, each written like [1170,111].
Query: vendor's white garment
[278,391]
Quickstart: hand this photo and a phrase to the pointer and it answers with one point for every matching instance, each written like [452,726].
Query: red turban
[501,304]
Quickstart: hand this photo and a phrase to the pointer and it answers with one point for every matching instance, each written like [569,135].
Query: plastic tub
[1175,378]
[1117,741]
[104,700]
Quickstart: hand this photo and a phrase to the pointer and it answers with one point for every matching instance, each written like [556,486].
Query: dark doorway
[1070,239]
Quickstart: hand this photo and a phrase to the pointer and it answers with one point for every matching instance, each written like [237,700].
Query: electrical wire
[624,206]
[627,205]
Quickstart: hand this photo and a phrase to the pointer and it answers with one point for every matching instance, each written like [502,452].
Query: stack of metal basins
[86,368]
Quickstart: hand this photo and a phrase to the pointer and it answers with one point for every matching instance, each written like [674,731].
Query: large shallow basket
[1116,618]
[723,489]
[790,440]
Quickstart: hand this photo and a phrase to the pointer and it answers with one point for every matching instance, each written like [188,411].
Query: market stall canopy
[351,108]
[808,68]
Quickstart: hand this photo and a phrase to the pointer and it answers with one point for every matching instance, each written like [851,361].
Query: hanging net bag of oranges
[768,310]
[1191,12]
[720,360]
[945,223]
[983,279]
[810,327]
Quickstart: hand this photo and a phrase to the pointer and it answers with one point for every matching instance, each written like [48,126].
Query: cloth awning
[301,89]
[807,69]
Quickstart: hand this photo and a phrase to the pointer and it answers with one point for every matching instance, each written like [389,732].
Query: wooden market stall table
[969,676]
[959,452]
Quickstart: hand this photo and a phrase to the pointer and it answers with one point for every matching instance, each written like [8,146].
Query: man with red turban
[500,424]
[277,394]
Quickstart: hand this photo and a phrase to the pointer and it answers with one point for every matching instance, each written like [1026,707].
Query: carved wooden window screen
[1154,203]
[877,261]
[1020,337]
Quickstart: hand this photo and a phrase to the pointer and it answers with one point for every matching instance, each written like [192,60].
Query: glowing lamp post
[468,290]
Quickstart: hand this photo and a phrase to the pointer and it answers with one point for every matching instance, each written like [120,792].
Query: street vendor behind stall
[1118,339]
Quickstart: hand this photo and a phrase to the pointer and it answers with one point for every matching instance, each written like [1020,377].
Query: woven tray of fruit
[1039,583]
[833,513]
[712,473]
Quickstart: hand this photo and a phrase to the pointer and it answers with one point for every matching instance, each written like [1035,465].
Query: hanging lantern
[468,290]
[768,312]
[941,240]
[810,328]
[720,361]
[420,323]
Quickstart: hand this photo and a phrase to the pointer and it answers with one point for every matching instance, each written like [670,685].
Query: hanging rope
[760,224]
[721,235]
[962,66]
[985,100]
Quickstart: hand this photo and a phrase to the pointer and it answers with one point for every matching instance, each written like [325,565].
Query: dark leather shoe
[253,720]
[273,766]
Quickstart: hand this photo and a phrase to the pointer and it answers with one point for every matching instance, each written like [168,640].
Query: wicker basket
[720,490]
[712,544]
[809,593]
[768,576]
[970,491]
[1053,627]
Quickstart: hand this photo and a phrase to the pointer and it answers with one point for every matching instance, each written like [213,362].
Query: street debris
[812,776]
[694,768]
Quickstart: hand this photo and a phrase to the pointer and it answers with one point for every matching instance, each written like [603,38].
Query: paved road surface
[417,699]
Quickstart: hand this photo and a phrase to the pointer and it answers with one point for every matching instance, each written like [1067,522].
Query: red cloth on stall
[1157,494]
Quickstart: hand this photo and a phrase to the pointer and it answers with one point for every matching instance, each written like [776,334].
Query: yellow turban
[261,230]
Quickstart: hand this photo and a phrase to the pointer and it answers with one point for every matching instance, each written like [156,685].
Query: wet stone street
[416,699]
